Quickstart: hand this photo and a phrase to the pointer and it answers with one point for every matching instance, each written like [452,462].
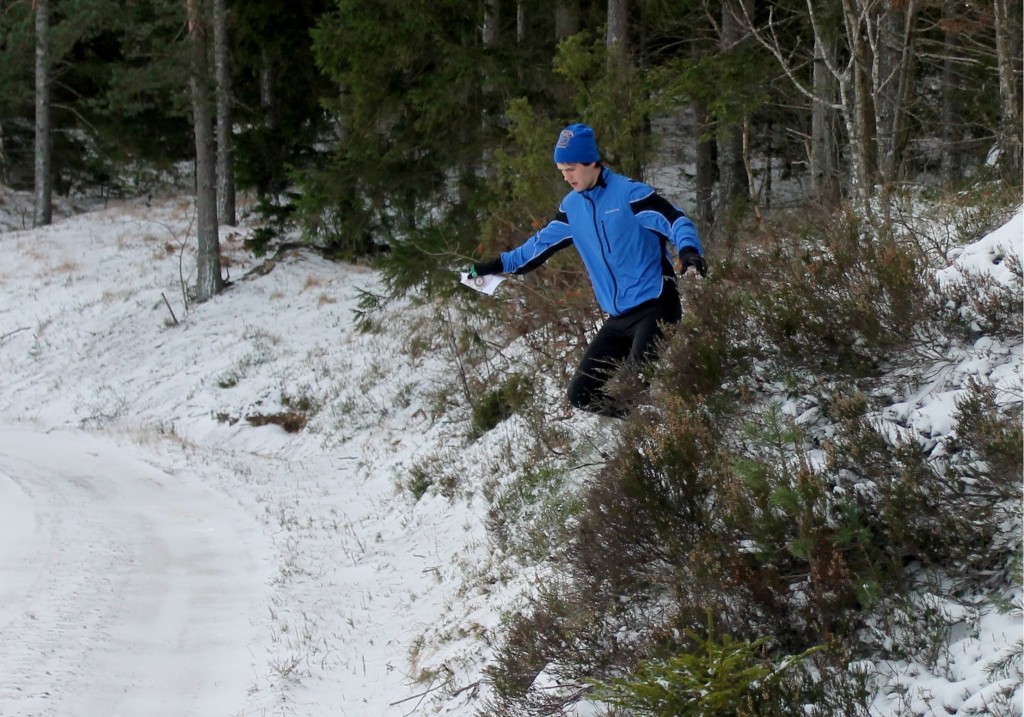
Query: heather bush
[949,512]
[838,300]
[764,484]
[977,304]
[528,515]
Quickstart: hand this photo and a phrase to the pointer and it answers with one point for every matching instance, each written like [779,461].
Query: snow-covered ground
[168,548]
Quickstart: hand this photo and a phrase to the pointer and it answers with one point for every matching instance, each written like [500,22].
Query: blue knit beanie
[576,144]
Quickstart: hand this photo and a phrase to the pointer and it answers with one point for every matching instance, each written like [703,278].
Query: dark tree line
[372,124]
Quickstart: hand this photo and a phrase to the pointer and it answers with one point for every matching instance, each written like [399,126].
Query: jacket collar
[602,182]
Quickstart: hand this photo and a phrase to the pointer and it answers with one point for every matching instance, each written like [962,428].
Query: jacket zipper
[606,249]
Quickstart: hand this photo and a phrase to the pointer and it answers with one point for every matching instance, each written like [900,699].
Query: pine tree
[407,166]
[43,212]
[225,115]
[209,281]
[279,94]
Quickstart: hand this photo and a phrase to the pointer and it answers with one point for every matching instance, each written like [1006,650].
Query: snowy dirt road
[124,590]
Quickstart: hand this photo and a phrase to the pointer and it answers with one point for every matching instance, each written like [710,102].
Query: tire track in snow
[123,590]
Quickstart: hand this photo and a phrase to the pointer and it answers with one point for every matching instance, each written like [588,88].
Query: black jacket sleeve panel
[559,223]
[543,257]
[654,202]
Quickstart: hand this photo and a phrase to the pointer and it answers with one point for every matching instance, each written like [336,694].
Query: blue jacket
[620,228]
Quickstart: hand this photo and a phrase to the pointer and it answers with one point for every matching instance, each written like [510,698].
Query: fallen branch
[168,303]
[12,333]
[430,688]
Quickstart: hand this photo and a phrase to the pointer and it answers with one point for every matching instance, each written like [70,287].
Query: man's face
[580,177]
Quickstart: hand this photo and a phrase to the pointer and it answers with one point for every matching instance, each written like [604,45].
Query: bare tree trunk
[617,35]
[225,115]
[3,157]
[861,83]
[733,181]
[890,35]
[268,109]
[567,18]
[706,161]
[949,112]
[823,154]
[209,281]
[492,9]
[1007,30]
[267,89]
[860,123]
[43,213]
[884,77]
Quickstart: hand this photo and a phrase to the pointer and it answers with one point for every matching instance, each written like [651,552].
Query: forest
[371,124]
[832,155]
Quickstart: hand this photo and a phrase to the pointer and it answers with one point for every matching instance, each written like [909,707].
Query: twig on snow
[168,303]
[12,333]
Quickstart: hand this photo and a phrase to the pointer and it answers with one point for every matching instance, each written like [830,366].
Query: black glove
[690,257]
[483,268]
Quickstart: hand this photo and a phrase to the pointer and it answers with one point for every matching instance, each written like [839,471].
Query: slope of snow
[169,548]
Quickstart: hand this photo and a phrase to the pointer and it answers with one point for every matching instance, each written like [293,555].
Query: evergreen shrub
[497,404]
[715,677]
[794,531]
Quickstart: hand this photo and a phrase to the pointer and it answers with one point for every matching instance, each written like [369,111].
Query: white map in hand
[486,284]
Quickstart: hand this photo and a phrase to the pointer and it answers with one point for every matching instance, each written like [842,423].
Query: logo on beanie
[576,145]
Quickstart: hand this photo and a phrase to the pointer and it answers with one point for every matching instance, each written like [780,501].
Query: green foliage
[497,404]
[718,677]
[419,482]
[529,189]
[529,184]
[433,471]
[795,530]
[138,79]
[528,516]
[613,98]
[406,171]
[948,517]
[17,48]
[988,443]
[786,503]
[121,109]
[115,91]
[838,299]
[979,303]
[279,132]
[731,83]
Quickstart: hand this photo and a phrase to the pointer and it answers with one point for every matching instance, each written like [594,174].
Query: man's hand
[690,257]
[483,268]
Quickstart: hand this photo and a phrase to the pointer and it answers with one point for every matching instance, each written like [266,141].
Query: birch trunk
[490,29]
[1007,54]
[857,102]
